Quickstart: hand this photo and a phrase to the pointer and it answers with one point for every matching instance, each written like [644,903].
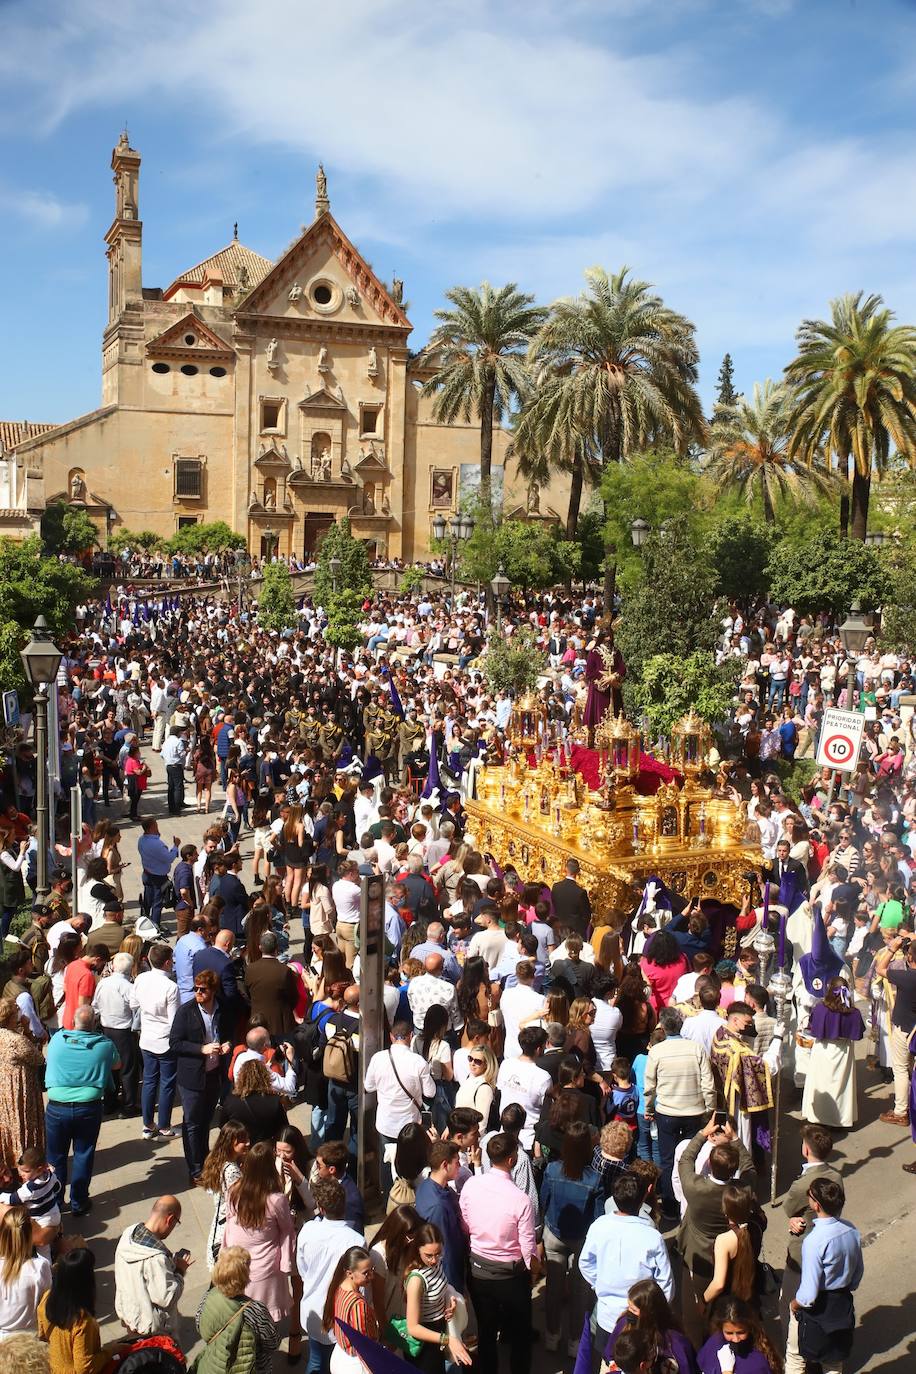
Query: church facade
[277,396]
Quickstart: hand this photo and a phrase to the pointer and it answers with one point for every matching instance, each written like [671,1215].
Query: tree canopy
[276,602]
[67,529]
[30,586]
[355,573]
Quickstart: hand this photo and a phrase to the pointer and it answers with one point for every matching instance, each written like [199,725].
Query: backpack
[311,1039]
[339,1062]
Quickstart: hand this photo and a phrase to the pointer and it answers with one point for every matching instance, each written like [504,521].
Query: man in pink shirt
[499,1220]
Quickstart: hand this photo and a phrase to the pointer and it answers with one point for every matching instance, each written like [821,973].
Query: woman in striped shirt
[430,1303]
[350,1300]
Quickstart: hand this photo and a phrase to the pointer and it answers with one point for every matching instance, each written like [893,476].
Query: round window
[190,339]
[189,370]
[322,294]
[217,372]
[161,367]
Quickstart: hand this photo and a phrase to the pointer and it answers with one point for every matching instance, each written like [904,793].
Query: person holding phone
[149,1279]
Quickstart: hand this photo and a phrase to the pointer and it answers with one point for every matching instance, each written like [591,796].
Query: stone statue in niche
[368,501]
[252,500]
[324,465]
[295,292]
[534,498]
[373,363]
[270,500]
[352,296]
[397,290]
[386,504]
[271,353]
[323,364]
[77,488]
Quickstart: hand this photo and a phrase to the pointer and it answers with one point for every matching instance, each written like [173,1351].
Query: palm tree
[615,371]
[748,449]
[536,463]
[481,370]
[855,385]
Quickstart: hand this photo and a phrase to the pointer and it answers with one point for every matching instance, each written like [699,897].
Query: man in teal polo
[79,1069]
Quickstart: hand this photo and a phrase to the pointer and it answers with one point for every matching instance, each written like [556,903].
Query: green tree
[513,665]
[739,547]
[726,395]
[276,602]
[656,486]
[480,347]
[898,614]
[135,539]
[670,610]
[826,573]
[355,573]
[345,614]
[669,686]
[30,586]
[67,529]
[748,450]
[532,556]
[411,581]
[215,537]
[615,372]
[855,393]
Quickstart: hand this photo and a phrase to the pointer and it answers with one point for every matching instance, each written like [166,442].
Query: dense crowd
[584,1095]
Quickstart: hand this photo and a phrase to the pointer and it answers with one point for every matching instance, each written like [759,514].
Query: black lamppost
[854,634]
[499,586]
[460,528]
[41,660]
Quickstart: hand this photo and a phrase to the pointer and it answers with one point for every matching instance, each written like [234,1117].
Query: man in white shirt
[432,986]
[621,1248]
[702,1028]
[158,705]
[320,1245]
[517,1003]
[157,999]
[346,893]
[401,1081]
[521,1080]
[605,1026]
[365,811]
[489,941]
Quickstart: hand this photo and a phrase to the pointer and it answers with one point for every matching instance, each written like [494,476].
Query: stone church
[277,396]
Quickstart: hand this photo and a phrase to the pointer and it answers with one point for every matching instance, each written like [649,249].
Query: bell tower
[123,336]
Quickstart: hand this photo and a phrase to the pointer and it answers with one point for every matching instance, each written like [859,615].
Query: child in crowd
[39,1192]
[611,1153]
[623,1101]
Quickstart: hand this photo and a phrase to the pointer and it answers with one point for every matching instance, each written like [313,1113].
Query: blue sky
[751,158]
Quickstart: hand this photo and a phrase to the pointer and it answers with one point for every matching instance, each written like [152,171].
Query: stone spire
[322,204]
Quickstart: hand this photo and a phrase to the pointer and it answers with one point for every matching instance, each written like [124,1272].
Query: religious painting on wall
[469,485]
[442,488]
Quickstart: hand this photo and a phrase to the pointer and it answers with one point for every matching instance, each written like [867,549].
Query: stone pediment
[324,252]
[371,465]
[88,501]
[189,338]
[323,400]
[275,457]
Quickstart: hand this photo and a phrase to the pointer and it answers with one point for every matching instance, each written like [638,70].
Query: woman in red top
[662,965]
[350,1299]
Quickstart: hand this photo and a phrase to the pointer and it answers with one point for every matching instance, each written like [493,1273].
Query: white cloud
[42,210]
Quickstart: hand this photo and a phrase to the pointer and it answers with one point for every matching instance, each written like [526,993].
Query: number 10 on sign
[841,740]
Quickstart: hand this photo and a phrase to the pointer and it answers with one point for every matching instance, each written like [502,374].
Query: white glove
[726,1359]
[773,1056]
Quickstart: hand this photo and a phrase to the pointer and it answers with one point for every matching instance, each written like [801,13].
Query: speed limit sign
[841,739]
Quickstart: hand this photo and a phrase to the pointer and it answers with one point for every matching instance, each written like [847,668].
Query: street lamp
[854,633]
[335,567]
[242,570]
[41,660]
[639,532]
[499,586]
[459,529]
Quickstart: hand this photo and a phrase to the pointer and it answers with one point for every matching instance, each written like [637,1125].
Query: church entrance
[316,527]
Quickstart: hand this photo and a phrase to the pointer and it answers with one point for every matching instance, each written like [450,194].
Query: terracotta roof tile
[228,262]
[13,432]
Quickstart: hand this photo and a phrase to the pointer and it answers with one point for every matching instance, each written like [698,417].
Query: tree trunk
[861,490]
[844,515]
[769,514]
[486,448]
[575,496]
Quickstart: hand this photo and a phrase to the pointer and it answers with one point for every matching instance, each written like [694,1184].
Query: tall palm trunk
[769,514]
[486,446]
[861,491]
[577,476]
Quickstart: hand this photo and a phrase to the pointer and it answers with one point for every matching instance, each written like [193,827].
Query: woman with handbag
[240,1333]
[431,1326]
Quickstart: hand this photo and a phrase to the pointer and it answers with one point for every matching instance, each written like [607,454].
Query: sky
[753,159]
